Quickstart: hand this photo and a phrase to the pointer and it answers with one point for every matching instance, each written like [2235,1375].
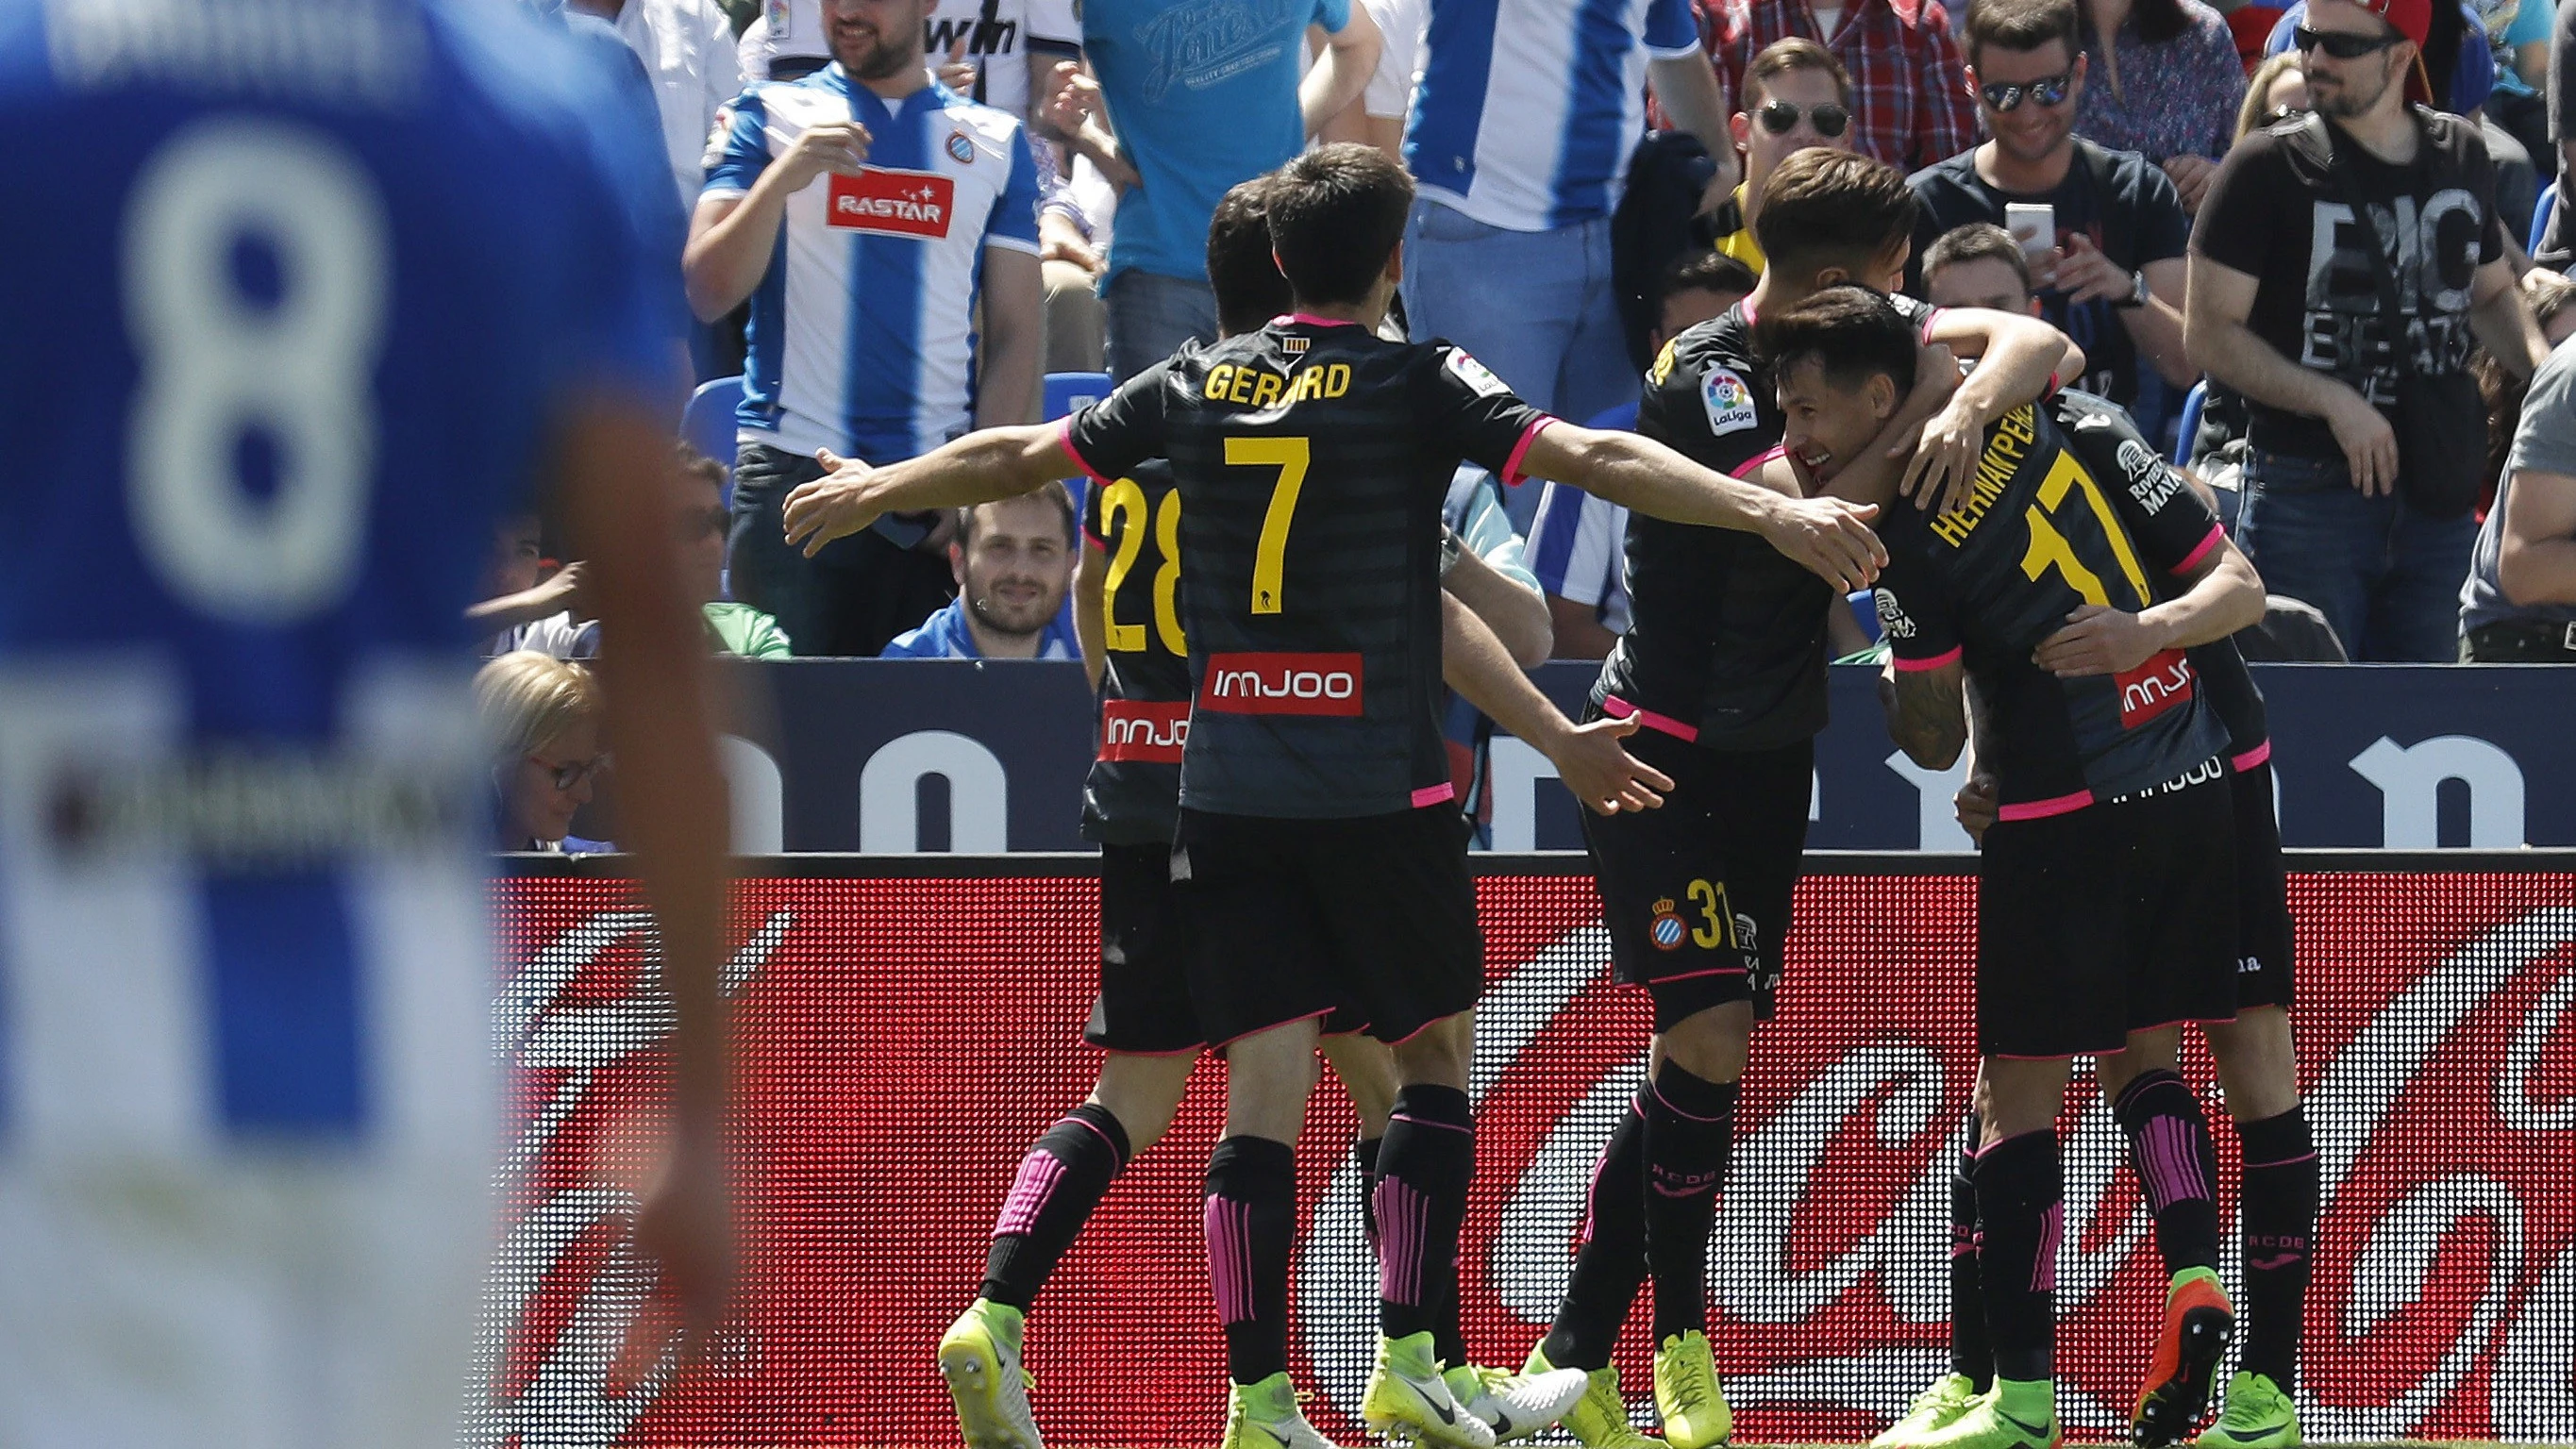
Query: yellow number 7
[1269,556]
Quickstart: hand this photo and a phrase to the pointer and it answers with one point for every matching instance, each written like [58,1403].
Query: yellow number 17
[1290,456]
[2049,548]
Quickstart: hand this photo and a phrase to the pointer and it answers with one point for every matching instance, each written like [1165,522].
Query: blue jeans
[2385,576]
[1535,306]
[1148,317]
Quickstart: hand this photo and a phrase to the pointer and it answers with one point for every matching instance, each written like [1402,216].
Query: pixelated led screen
[901,1041]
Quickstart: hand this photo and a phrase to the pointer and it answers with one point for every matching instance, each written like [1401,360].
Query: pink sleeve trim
[1618,708]
[2192,559]
[1095,540]
[2041,809]
[1937,661]
[1430,795]
[2259,755]
[1064,439]
[1755,464]
[1512,465]
[1928,319]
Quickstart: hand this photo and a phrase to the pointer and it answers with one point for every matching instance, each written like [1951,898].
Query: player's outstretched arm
[1829,537]
[2225,595]
[672,813]
[1927,714]
[1588,758]
[980,467]
[2018,360]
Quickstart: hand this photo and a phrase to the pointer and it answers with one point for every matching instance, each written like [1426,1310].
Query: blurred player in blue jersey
[316,288]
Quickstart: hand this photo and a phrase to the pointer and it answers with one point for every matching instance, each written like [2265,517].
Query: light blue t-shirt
[2530,24]
[1203,95]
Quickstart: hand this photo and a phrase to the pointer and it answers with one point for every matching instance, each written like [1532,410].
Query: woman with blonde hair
[541,716]
[2277,91]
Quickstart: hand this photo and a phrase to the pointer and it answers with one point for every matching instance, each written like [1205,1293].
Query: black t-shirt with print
[2276,212]
[2117,200]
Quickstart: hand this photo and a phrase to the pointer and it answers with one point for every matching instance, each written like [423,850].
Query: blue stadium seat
[707,424]
[2190,426]
[1069,392]
[2540,217]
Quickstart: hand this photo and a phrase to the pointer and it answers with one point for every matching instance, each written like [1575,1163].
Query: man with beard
[1014,565]
[884,229]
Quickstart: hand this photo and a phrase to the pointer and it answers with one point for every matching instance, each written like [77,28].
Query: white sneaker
[1265,1416]
[1520,1405]
[1407,1401]
[979,1356]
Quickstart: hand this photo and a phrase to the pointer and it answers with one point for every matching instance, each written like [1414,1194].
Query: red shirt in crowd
[1909,84]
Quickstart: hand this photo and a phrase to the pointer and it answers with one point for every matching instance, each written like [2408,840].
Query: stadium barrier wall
[905,1026]
[983,756]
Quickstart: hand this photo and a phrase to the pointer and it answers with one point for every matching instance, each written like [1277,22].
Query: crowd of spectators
[2292,238]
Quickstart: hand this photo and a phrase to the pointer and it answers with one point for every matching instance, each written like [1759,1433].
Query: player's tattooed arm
[1588,758]
[1927,711]
[1829,537]
[981,467]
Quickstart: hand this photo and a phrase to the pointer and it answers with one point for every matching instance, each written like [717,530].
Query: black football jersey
[1726,637]
[2039,536]
[1133,795]
[2114,449]
[1311,458]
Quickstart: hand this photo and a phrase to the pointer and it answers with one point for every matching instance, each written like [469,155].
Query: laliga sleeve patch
[1729,401]
[1479,378]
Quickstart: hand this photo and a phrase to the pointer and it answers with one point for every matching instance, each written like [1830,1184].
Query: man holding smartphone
[2104,231]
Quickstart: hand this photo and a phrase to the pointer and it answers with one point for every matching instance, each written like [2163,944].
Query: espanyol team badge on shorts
[1667,928]
[1728,400]
[961,148]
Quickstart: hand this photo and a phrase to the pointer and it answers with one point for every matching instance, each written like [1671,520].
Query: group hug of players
[1283,868]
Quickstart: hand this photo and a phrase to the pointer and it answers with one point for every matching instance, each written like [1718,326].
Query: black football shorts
[2118,917]
[1144,1001]
[1370,920]
[1697,894]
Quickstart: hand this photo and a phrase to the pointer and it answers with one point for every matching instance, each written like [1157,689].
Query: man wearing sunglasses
[1796,95]
[2111,277]
[2286,306]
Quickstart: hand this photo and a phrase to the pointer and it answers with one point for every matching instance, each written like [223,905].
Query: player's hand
[1075,99]
[834,506]
[840,147]
[2369,444]
[1943,474]
[1828,537]
[957,72]
[2191,178]
[1601,773]
[685,1225]
[2097,639]
[1976,803]
[2087,275]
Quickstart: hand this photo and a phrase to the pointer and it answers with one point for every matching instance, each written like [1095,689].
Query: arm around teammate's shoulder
[1829,537]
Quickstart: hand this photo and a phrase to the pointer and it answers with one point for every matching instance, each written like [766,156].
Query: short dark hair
[1795,53]
[1853,333]
[1336,215]
[1053,491]
[1703,272]
[1249,289]
[1823,207]
[698,465]
[2021,25]
[1978,241]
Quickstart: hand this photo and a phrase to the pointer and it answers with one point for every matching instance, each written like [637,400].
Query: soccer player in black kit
[1724,664]
[2107,910]
[1321,866]
[1128,613]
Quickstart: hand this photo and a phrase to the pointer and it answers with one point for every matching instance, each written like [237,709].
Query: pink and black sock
[1690,1125]
[1424,1167]
[2280,1236]
[1364,1152]
[1972,1352]
[2170,1148]
[1610,1256]
[2022,1209]
[1059,1182]
[1251,1221]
